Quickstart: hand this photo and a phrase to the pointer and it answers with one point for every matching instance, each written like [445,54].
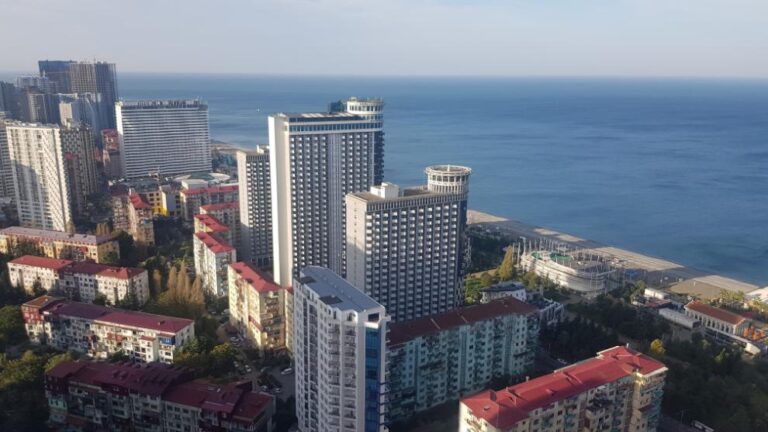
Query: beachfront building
[316,159]
[618,390]
[79,280]
[134,215]
[439,358]
[57,244]
[728,327]
[255,206]
[584,273]
[100,332]
[212,258]
[339,354]
[406,248]
[256,306]
[41,188]
[163,137]
[151,398]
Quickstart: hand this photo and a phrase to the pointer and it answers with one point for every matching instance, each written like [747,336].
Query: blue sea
[672,168]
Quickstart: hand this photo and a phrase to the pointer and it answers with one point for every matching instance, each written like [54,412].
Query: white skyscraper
[255,206]
[406,247]
[315,160]
[163,137]
[39,175]
[340,355]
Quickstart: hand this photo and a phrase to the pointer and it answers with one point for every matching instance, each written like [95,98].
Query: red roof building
[213,243]
[208,223]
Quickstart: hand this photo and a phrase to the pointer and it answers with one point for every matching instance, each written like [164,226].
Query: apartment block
[407,248]
[99,331]
[255,206]
[256,306]
[440,358]
[79,280]
[195,198]
[57,244]
[228,214]
[339,352]
[79,165]
[151,398]
[618,390]
[212,257]
[133,214]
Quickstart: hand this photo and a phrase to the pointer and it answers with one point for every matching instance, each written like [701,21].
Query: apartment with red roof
[724,326]
[100,331]
[193,199]
[257,306]
[212,256]
[57,244]
[152,397]
[618,390]
[134,215]
[442,357]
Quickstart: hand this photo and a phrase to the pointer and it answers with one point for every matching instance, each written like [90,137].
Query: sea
[674,168]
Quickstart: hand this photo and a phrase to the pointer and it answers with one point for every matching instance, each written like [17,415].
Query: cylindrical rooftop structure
[448,178]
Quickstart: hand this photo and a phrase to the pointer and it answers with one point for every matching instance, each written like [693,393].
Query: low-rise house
[618,390]
[57,244]
[99,331]
[729,327]
[256,307]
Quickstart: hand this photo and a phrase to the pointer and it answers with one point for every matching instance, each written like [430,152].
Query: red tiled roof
[36,261]
[139,202]
[211,223]
[504,408]
[148,379]
[401,332]
[103,314]
[43,301]
[715,312]
[213,243]
[221,206]
[234,399]
[36,234]
[92,268]
[256,279]
[210,190]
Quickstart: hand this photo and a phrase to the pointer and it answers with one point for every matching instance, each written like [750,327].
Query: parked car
[286,371]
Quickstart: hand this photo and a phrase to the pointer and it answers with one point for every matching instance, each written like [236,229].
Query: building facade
[227,214]
[255,206]
[192,199]
[256,306]
[41,186]
[212,258]
[163,137]
[618,390]
[57,244]
[151,398]
[439,358]
[407,248]
[133,214]
[79,165]
[96,78]
[315,160]
[79,280]
[339,347]
[6,167]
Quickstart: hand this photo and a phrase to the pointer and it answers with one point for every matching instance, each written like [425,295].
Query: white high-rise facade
[340,355]
[406,248]
[39,176]
[255,206]
[163,137]
[315,160]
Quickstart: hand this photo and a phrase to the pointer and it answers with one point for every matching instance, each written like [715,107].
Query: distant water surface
[672,168]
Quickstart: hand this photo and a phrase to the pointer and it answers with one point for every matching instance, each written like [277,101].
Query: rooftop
[221,206]
[163,104]
[335,291]
[48,235]
[213,243]
[256,279]
[715,312]
[504,287]
[211,223]
[149,379]
[44,262]
[210,190]
[93,268]
[235,399]
[404,331]
[504,408]
[138,202]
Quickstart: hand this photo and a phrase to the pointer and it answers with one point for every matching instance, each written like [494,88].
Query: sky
[689,38]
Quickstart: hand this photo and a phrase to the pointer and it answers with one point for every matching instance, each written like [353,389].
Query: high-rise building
[618,390]
[36,106]
[57,71]
[39,83]
[9,100]
[87,109]
[79,164]
[98,77]
[315,160]
[339,351]
[406,248]
[42,195]
[255,206]
[163,137]
[6,170]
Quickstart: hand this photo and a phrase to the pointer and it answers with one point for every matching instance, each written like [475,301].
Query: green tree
[156,282]
[37,288]
[129,302]
[531,280]
[486,280]
[111,258]
[58,358]
[129,254]
[11,327]
[507,269]
[100,299]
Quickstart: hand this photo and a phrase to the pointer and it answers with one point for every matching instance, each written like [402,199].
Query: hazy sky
[395,37]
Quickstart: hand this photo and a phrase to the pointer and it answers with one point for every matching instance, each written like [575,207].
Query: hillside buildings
[442,357]
[618,390]
[163,137]
[192,199]
[133,214]
[256,306]
[151,398]
[255,206]
[61,245]
[315,160]
[226,214]
[407,248]
[339,354]
[99,331]
[212,257]
[79,280]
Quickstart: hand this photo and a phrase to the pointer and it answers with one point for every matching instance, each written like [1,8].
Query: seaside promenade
[655,271]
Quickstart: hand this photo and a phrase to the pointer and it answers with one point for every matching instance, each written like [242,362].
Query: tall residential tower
[255,206]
